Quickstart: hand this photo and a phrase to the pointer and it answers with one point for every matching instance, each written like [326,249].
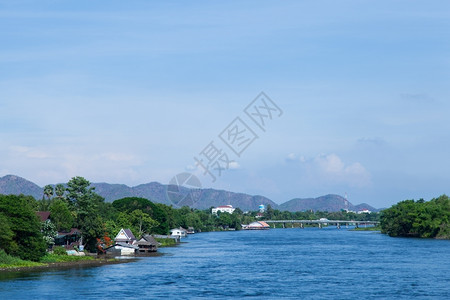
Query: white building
[178,232]
[122,249]
[124,243]
[224,208]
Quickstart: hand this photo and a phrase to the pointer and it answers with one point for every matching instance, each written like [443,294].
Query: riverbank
[51,261]
[371,228]
[68,264]
[10,263]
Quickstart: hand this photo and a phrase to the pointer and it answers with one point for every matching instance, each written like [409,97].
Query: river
[308,263]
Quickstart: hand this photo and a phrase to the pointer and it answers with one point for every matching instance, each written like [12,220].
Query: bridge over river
[323,222]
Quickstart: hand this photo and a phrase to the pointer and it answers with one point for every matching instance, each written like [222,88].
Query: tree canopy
[411,218]
[22,235]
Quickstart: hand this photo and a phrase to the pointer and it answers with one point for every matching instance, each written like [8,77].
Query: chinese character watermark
[238,136]
[262,110]
[184,188]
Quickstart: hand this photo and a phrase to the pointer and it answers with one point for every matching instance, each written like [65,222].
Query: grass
[166,242]
[371,228]
[55,258]
[8,261]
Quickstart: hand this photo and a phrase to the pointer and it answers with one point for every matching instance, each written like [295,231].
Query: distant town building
[224,208]
[364,211]
[258,225]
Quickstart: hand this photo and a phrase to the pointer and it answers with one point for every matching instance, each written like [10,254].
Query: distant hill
[11,184]
[212,197]
[154,191]
[201,198]
[324,203]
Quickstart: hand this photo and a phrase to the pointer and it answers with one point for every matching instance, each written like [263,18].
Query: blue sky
[130,92]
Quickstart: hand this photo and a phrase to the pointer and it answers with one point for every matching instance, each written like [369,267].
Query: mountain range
[195,198]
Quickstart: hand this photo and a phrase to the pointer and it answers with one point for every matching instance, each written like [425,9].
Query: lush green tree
[91,228]
[111,228]
[238,211]
[61,215]
[418,219]
[224,220]
[130,204]
[161,213]
[86,204]
[142,222]
[123,221]
[6,234]
[43,205]
[78,188]
[27,241]
[269,213]
[193,220]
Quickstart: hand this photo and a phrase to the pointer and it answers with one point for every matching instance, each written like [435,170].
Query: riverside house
[147,244]
[127,244]
[68,239]
[178,232]
[124,243]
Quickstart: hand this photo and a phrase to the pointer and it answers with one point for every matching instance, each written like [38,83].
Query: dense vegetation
[411,218]
[20,233]
[76,205]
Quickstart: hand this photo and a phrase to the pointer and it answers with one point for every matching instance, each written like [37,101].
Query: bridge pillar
[292,225]
[284,225]
[338,225]
[273,225]
[356,225]
[302,226]
[320,225]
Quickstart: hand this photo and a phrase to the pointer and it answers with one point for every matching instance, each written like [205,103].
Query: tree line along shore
[25,241]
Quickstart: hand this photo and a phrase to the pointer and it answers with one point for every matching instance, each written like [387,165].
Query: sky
[356,95]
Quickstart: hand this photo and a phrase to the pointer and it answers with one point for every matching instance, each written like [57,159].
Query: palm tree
[60,190]
[48,191]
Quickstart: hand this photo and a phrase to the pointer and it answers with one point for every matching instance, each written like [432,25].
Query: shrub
[59,250]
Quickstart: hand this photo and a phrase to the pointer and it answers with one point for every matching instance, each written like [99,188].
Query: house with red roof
[223,208]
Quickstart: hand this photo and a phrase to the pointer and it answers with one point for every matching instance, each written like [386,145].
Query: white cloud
[332,168]
[29,152]
[291,156]
[234,165]
[330,164]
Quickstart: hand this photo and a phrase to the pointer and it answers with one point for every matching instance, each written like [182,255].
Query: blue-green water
[306,263]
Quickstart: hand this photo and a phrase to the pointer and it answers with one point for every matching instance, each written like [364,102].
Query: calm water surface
[306,263]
